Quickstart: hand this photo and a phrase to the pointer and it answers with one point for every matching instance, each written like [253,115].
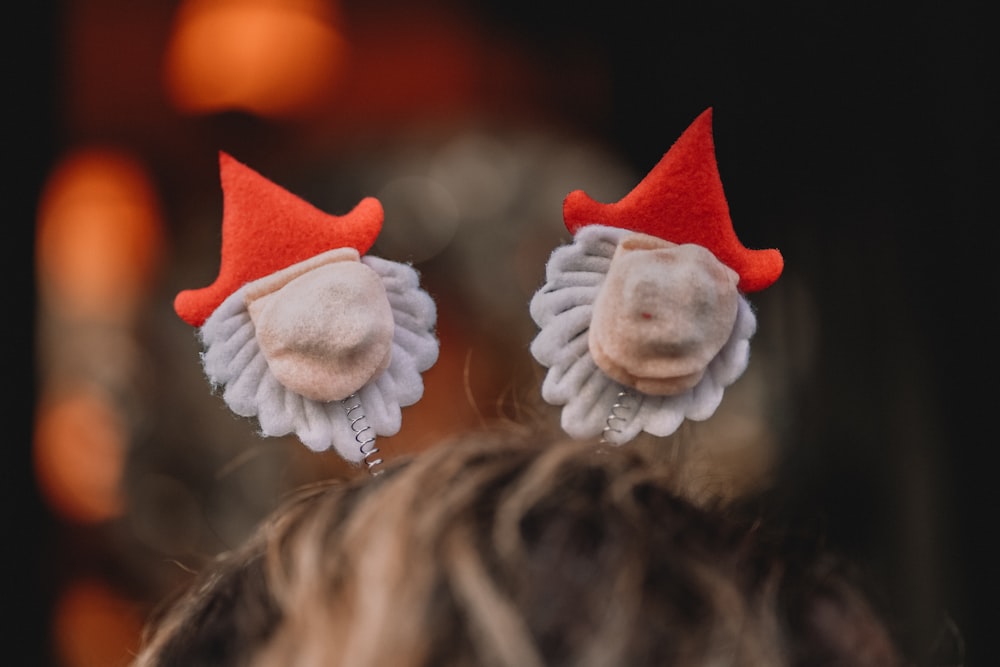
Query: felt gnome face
[302,329]
[642,318]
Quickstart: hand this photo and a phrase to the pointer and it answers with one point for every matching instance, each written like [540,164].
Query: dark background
[860,139]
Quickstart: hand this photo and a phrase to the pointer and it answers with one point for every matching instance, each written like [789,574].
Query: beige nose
[325,328]
[663,313]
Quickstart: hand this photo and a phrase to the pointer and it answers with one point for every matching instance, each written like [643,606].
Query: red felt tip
[681,200]
[265,229]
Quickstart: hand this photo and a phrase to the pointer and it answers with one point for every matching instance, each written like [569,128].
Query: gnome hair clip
[302,329]
[642,318]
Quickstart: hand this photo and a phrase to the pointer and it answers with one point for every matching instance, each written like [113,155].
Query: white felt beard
[563,309]
[234,362]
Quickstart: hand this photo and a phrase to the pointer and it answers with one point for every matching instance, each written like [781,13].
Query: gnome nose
[327,332]
[663,313]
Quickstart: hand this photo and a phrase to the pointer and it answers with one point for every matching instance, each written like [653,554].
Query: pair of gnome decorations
[642,318]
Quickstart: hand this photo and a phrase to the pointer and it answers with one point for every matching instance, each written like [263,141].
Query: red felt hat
[681,200]
[265,228]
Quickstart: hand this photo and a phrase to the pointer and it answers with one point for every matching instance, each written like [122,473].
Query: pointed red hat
[265,228]
[681,200]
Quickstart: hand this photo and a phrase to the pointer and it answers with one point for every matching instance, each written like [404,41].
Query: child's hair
[495,551]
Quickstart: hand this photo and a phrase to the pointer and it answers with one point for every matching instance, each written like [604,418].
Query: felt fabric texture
[662,314]
[265,229]
[563,310]
[682,200]
[235,364]
[324,325]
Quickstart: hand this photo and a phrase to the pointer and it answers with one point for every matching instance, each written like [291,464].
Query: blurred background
[859,141]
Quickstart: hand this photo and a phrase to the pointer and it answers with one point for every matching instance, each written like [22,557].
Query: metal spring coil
[363,433]
[617,414]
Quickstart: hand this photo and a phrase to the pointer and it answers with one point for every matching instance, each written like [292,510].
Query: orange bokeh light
[274,58]
[99,235]
[95,627]
[79,450]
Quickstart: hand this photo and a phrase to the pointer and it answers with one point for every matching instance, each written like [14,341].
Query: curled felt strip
[563,309]
[235,363]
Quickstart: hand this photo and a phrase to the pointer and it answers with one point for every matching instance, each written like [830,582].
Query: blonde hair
[502,552]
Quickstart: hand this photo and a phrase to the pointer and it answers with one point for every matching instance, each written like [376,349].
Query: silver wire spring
[618,415]
[363,433]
